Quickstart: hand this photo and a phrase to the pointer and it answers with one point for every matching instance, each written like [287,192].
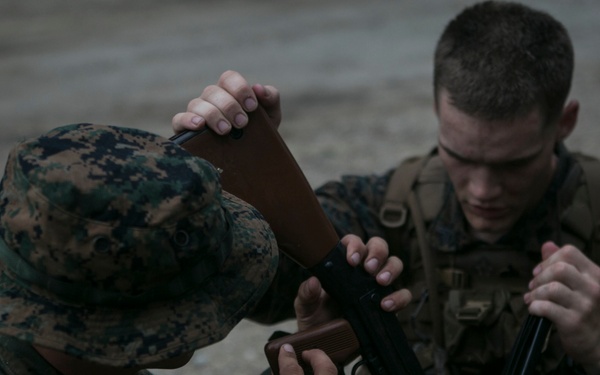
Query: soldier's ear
[567,120]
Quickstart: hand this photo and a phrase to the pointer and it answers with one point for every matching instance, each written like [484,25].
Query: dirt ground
[355,80]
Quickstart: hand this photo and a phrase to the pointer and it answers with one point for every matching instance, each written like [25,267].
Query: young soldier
[499,197]
[119,252]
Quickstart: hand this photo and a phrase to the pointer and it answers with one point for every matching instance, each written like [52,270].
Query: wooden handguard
[255,160]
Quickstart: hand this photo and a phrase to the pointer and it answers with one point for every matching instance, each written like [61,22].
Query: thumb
[549,248]
[288,363]
[320,362]
[308,297]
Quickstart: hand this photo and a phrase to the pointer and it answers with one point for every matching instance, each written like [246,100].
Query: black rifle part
[384,347]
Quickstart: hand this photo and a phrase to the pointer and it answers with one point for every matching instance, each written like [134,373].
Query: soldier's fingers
[561,272]
[320,362]
[549,248]
[268,97]
[237,86]
[550,310]
[396,301]
[215,104]
[187,121]
[570,255]
[356,250]
[377,255]
[554,292]
[210,114]
[392,268]
[310,300]
[288,364]
[584,265]
[309,291]
[374,252]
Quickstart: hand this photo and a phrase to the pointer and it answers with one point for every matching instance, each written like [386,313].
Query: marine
[498,222]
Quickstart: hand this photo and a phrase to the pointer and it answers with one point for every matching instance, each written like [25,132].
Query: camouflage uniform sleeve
[278,302]
[352,205]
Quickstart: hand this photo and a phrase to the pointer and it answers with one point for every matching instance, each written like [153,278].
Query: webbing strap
[393,211]
[591,169]
[399,198]
[431,278]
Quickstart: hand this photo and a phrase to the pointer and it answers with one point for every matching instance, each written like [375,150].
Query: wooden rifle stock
[257,167]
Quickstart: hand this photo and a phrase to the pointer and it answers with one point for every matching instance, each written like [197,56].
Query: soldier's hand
[225,104]
[317,359]
[566,290]
[313,306]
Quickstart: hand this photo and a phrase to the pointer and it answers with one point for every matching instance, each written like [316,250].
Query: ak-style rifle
[257,166]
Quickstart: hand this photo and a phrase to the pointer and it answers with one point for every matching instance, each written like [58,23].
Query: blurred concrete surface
[354,76]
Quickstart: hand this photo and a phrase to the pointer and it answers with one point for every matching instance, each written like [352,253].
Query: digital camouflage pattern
[119,247]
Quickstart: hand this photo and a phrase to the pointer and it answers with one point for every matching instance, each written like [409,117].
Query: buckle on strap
[469,307]
[474,311]
[393,214]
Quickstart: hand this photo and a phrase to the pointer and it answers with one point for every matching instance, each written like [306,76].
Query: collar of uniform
[448,232]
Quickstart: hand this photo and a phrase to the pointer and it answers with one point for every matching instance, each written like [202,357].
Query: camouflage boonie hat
[119,247]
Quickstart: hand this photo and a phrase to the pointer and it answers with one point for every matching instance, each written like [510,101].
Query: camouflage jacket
[353,205]
[20,358]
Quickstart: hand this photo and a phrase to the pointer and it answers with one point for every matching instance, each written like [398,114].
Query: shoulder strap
[431,279]
[399,199]
[591,170]
[393,211]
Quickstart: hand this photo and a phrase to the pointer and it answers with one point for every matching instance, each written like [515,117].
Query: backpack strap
[393,211]
[431,277]
[591,170]
[400,199]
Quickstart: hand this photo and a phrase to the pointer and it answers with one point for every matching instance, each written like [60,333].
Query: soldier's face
[499,169]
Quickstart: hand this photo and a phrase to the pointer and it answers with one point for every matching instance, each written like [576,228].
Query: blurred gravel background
[354,76]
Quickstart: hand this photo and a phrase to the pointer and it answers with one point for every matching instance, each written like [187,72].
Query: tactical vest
[461,322]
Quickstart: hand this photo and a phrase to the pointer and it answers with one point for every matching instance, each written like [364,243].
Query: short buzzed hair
[501,60]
